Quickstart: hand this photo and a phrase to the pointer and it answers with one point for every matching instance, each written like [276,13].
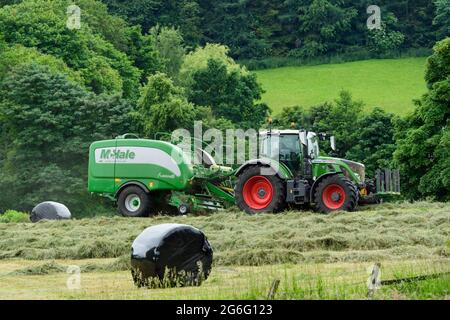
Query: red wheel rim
[258,192]
[333,196]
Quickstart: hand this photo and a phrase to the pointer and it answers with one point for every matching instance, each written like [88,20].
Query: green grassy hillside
[391,84]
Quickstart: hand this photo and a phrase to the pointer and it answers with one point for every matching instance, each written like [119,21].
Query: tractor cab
[294,148]
[290,170]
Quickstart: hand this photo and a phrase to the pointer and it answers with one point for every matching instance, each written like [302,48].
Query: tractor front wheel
[134,202]
[257,192]
[336,193]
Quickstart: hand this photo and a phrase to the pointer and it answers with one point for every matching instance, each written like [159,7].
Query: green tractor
[291,171]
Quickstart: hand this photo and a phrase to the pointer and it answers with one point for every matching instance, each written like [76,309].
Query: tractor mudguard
[339,165]
[281,170]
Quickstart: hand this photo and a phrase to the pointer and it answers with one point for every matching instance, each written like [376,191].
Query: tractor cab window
[290,151]
[268,147]
[284,148]
[313,145]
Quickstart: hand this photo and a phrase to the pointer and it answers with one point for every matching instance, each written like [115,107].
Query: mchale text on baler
[145,176]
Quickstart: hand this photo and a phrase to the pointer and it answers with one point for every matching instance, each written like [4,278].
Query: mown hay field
[314,256]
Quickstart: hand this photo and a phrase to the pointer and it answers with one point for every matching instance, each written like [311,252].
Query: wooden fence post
[374,281]
[273,289]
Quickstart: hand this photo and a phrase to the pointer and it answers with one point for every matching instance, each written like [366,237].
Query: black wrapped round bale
[169,255]
[50,211]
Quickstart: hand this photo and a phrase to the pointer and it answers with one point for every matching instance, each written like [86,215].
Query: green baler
[144,176]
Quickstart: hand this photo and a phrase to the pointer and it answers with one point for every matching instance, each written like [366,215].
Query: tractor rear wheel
[336,193]
[258,192]
[134,202]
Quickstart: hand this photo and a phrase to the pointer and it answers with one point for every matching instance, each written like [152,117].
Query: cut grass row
[386,232]
[391,84]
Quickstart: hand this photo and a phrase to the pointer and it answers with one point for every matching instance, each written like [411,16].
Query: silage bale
[50,210]
[169,255]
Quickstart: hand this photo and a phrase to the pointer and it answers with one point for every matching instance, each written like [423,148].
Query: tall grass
[297,281]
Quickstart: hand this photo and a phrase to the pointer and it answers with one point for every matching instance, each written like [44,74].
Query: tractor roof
[276,131]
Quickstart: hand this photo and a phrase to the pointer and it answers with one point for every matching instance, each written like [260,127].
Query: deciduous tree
[48,123]
[423,138]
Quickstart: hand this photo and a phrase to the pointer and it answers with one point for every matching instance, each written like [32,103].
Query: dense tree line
[423,138]
[158,70]
[303,28]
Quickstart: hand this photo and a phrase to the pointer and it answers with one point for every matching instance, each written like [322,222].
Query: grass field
[391,84]
[314,256]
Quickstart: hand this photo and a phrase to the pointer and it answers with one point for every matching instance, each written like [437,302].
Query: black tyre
[258,192]
[336,193]
[371,186]
[134,202]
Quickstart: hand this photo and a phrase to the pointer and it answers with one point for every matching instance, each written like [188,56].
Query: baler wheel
[134,202]
[336,193]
